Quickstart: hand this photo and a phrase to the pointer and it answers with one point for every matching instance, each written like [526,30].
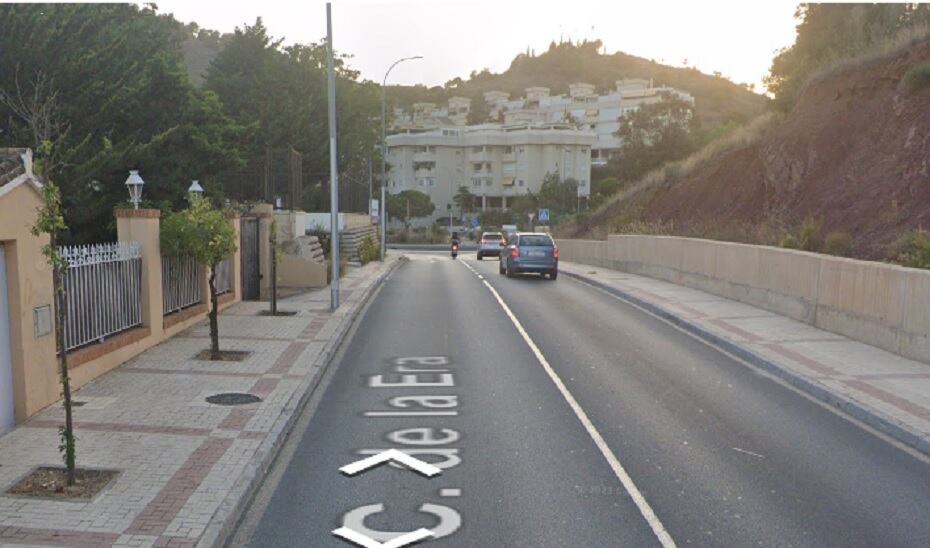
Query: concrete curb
[872,417]
[227,516]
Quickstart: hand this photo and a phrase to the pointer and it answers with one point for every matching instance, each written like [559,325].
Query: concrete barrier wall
[879,304]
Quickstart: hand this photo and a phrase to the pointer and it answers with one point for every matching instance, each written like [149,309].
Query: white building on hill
[583,108]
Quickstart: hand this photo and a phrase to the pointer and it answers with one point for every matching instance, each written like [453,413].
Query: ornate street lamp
[195,187]
[134,183]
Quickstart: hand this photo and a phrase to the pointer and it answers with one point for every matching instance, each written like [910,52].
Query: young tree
[557,195]
[653,135]
[464,200]
[204,233]
[50,221]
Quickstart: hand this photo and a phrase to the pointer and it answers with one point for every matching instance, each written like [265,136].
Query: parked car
[490,245]
[530,252]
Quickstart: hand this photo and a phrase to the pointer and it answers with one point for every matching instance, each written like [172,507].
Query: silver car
[490,245]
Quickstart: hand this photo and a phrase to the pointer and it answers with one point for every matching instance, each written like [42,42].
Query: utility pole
[333,166]
[384,151]
[369,187]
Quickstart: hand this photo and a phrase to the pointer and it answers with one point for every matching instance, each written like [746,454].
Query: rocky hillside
[852,155]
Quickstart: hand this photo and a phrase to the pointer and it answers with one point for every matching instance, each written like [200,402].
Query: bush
[788,242]
[918,77]
[809,235]
[369,250]
[837,243]
[913,249]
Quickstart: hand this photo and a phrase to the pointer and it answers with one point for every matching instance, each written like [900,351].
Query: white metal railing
[222,281]
[103,291]
[180,282]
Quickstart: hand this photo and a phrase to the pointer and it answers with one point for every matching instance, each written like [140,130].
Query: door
[248,246]
[7,416]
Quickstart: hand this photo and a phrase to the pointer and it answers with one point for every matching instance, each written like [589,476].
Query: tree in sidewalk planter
[50,221]
[273,244]
[204,233]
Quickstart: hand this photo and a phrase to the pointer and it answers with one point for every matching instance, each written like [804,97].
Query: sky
[737,39]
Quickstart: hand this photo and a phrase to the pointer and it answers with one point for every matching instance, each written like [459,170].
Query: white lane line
[657,528]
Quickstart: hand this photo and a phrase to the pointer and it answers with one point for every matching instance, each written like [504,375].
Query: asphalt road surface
[563,417]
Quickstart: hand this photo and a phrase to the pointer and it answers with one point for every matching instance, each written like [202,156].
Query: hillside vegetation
[845,170]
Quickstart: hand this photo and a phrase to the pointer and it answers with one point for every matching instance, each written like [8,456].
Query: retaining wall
[883,305]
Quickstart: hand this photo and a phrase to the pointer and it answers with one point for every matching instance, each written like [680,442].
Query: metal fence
[222,281]
[103,291]
[180,282]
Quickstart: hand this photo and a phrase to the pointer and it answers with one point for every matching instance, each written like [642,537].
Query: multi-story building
[495,162]
[425,116]
[583,108]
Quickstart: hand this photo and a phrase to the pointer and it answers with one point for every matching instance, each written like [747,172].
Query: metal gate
[248,245]
[7,416]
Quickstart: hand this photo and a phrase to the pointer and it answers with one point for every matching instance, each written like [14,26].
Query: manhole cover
[233,398]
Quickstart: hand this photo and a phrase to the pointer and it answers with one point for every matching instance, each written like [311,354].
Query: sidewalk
[186,466]
[883,390]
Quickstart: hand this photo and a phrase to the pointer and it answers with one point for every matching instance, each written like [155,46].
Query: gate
[248,245]
[7,416]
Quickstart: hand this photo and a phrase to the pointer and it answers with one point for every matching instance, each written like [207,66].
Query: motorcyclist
[454,244]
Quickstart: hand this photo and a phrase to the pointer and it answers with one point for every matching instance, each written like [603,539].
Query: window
[477,167]
[538,241]
[508,150]
[520,182]
[477,149]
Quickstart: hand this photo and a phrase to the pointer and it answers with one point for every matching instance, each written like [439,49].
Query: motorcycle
[455,250]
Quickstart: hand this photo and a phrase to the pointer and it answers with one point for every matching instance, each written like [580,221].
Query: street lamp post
[384,150]
[134,183]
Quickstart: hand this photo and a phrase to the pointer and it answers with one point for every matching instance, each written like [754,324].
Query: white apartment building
[582,108]
[496,162]
[425,116]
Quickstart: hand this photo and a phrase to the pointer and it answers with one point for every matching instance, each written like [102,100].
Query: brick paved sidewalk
[185,465]
[884,390]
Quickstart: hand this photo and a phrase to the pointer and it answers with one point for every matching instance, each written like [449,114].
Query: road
[567,417]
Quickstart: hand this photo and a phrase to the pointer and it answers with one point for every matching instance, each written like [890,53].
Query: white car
[490,245]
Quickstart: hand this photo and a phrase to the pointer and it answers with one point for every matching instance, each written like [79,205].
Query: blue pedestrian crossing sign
[543,215]
[474,221]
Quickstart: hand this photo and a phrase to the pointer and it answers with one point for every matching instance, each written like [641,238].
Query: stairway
[351,239]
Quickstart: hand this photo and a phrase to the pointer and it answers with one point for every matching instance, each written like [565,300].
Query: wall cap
[138,213]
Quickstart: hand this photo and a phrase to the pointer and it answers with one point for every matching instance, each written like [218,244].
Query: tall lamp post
[384,150]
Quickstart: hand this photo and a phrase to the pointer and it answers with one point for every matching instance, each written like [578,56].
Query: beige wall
[29,280]
[879,304]
[35,374]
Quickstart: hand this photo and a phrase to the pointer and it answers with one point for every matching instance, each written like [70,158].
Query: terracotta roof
[11,164]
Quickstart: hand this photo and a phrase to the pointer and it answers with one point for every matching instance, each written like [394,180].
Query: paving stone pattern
[178,456]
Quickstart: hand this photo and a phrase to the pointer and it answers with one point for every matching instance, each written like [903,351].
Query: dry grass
[905,39]
[623,203]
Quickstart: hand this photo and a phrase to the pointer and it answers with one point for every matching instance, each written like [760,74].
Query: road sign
[474,221]
[543,215]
